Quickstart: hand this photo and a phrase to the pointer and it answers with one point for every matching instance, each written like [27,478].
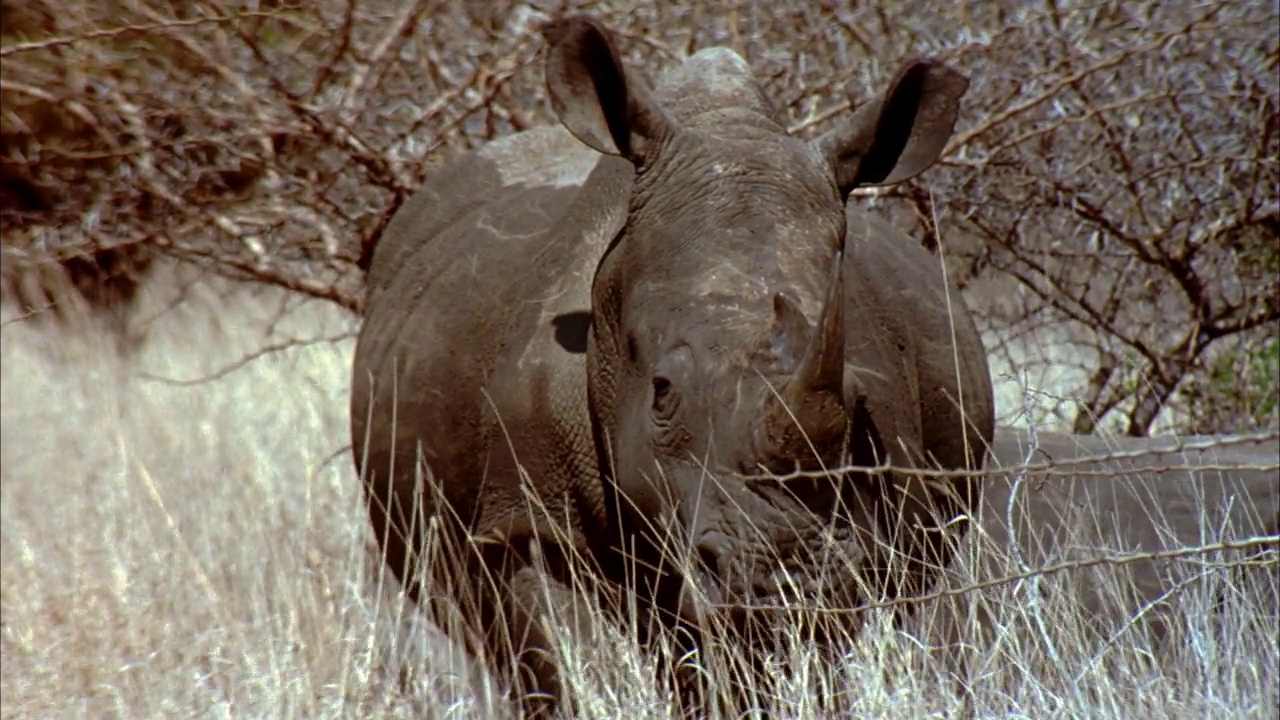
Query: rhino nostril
[709,559]
[710,581]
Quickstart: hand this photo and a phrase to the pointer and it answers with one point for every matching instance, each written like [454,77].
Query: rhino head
[717,345]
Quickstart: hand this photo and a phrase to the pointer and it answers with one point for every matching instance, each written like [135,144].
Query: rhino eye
[664,403]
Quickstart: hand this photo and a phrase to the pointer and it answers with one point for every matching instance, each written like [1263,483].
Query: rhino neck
[710,80]
[735,124]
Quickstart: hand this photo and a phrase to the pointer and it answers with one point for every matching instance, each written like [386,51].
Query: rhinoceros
[656,321]
[1090,496]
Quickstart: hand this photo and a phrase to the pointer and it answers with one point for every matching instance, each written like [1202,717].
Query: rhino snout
[716,583]
[779,600]
[726,582]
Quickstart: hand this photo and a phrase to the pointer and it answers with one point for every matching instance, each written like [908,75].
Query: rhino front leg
[925,521]
[533,618]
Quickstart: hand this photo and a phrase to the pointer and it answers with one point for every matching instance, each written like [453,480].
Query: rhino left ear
[595,97]
[901,133]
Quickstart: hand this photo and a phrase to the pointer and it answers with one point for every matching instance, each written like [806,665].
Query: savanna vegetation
[189,192]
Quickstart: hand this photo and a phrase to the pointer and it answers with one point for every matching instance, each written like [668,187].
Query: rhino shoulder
[489,177]
[916,353]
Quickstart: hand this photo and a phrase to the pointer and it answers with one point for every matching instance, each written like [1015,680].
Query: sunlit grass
[171,550]
[174,548]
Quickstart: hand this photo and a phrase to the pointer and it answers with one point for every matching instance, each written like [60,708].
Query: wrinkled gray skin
[642,307]
[1158,498]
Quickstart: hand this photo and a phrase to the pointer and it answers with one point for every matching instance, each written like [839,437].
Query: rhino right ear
[901,133]
[603,105]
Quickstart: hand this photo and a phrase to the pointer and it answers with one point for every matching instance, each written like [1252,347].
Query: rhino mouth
[757,579]
[821,616]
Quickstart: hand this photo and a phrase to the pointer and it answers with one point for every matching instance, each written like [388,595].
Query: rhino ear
[597,100]
[898,135]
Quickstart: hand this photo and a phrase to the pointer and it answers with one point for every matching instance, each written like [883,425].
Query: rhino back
[1132,494]
[1106,496]
[1110,495]
[472,347]
[900,350]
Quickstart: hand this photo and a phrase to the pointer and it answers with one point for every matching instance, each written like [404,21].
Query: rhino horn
[822,367]
[814,397]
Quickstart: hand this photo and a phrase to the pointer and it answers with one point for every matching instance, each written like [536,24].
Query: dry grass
[1139,634]
[171,550]
[199,549]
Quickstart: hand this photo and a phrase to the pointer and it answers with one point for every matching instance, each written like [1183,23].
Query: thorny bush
[1113,190]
